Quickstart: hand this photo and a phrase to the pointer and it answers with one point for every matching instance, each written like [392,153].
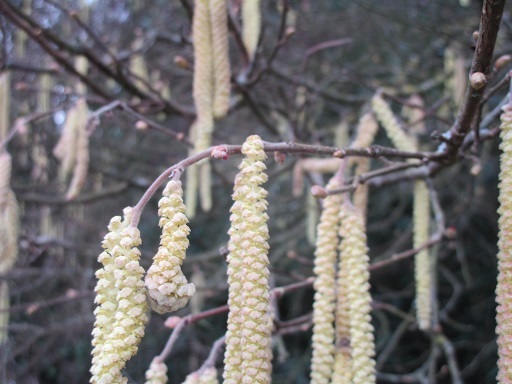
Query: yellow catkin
[504,286]
[5,95]
[391,124]
[9,217]
[202,89]
[354,251]
[192,178]
[421,213]
[82,152]
[322,362]
[157,372]
[312,218]
[422,270]
[342,355]
[456,75]
[81,65]
[168,288]
[251,27]
[366,131]
[66,149]
[121,302]
[45,85]
[221,67]
[4,312]
[138,67]
[248,338]
[203,376]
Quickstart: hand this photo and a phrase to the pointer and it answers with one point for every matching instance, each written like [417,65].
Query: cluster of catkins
[122,294]
[343,346]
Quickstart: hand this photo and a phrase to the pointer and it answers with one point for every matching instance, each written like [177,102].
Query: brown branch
[489,26]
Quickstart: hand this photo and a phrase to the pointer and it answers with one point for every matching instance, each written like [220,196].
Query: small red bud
[220,152]
[318,191]
[279,157]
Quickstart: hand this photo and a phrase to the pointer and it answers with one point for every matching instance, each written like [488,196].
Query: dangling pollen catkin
[504,286]
[157,372]
[168,288]
[354,252]
[422,270]
[322,362]
[203,93]
[251,26]
[248,338]
[221,67]
[121,302]
[203,376]
[342,354]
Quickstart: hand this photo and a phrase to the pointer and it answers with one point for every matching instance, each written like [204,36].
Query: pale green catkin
[251,26]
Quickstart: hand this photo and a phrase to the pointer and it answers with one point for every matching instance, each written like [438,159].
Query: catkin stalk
[251,28]
[504,286]
[248,338]
[322,362]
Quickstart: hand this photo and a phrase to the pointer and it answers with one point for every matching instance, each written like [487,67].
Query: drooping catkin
[221,67]
[422,270]
[504,286]
[45,85]
[251,26]
[354,252]
[192,184]
[4,312]
[168,288]
[5,95]
[9,217]
[157,372]
[248,338]
[322,362]
[81,65]
[67,147]
[82,152]
[312,218]
[366,131]
[121,302]
[415,116]
[342,373]
[391,124]
[203,376]
[456,75]
[138,67]
[202,89]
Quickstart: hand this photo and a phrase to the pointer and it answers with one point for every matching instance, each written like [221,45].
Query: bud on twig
[477,80]
[220,152]
[319,192]
[279,157]
[502,61]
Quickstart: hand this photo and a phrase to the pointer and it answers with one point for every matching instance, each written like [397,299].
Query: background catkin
[248,338]
[5,95]
[157,372]
[9,228]
[121,302]
[365,134]
[202,89]
[168,289]
[355,259]
[251,27]
[342,373]
[422,270]
[72,140]
[504,287]
[221,67]
[421,212]
[322,361]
